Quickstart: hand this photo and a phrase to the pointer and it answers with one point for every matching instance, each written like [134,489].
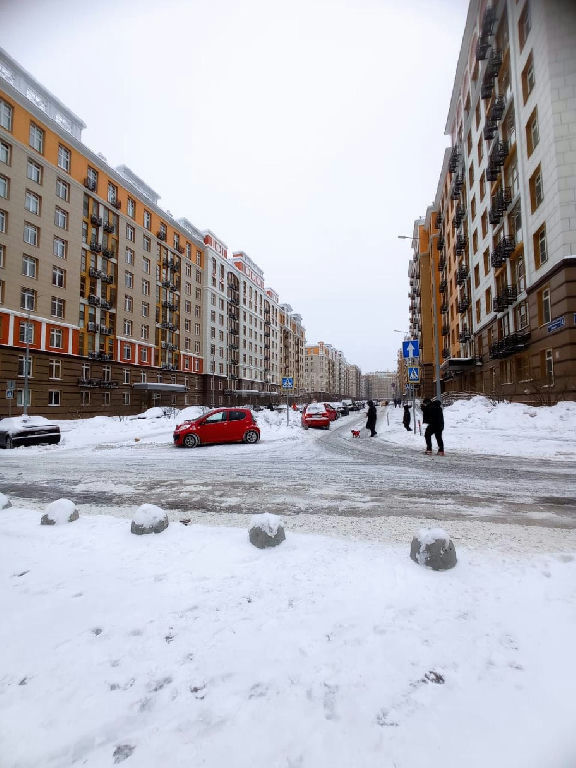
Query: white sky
[308,134]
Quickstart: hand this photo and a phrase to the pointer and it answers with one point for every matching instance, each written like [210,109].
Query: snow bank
[14,424]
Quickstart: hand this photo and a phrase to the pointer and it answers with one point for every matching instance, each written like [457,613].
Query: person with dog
[371,420]
[433,417]
[406,418]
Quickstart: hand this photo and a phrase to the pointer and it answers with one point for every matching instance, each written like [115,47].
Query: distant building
[379,385]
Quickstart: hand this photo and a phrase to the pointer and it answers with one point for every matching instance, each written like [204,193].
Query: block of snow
[433,548]
[266,530]
[4,501]
[149,519]
[60,511]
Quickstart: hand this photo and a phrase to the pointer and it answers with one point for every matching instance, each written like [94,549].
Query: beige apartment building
[505,211]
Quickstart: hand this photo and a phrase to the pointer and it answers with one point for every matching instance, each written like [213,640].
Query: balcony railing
[462,274]
[455,158]
[463,305]
[465,335]
[505,297]
[461,244]
[514,342]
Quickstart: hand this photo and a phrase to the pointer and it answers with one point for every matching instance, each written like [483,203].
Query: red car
[223,425]
[331,411]
[316,415]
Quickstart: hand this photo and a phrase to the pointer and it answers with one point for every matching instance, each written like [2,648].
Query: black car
[33,430]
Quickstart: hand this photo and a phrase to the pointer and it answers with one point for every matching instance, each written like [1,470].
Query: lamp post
[434,315]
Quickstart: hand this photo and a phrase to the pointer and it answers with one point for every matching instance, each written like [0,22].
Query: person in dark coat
[406,418]
[371,420]
[433,417]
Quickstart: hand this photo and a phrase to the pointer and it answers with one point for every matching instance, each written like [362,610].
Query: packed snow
[194,648]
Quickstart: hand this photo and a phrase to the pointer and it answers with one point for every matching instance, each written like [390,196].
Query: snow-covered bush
[59,512]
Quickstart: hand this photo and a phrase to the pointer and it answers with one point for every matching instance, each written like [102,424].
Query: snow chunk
[4,501]
[428,535]
[266,522]
[266,530]
[149,519]
[59,512]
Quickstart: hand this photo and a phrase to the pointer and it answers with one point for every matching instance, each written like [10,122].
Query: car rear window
[315,409]
[237,415]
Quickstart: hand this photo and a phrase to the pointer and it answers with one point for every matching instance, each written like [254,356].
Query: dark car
[28,430]
[222,425]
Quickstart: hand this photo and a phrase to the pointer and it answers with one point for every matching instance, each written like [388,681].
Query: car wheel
[305,426]
[251,436]
[190,441]
[9,443]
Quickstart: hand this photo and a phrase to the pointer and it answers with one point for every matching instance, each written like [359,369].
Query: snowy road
[312,473]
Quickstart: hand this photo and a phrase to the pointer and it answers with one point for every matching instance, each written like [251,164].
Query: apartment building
[328,375]
[379,385]
[505,205]
[292,344]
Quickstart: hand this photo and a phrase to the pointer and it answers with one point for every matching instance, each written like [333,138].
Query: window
[36,138]
[480,150]
[22,366]
[54,369]
[484,223]
[34,172]
[131,208]
[125,398]
[29,266]
[528,78]
[544,306]
[26,333]
[145,288]
[106,372]
[105,398]
[536,189]
[532,132]
[476,275]
[27,299]
[53,397]
[147,220]
[475,241]
[145,309]
[477,114]
[85,398]
[129,257]
[64,158]
[31,234]
[57,307]
[127,352]
[112,193]
[145,332]
[5,152]
[128,303]
[197,329]
[471,175]
[92,178]
[478,311]
[130,233]
[488,300]
[198,276]
[61,218]
[58,277]
[548,365]
[146,243]
[6,115]
[520,271]
[473,208]
[146,265]
[128,327]
[521,315]
[482,186]
[128,279]
[56,341]
[63,190]
[2,256]
[32,202]
[60,248]
[524,26]
[3,221]
[199,258]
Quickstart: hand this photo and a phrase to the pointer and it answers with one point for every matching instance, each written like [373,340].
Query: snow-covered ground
[193,648]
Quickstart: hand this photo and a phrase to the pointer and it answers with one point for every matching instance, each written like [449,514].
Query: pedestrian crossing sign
[414,375]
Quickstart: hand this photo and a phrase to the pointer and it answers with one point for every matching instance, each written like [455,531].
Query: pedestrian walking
[433,417]
[406,418]
[371,420]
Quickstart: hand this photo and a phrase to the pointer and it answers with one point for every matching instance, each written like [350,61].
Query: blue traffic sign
[411,348]
[413,375]
[287,382]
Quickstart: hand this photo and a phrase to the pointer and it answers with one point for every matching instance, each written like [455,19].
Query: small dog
[355,432]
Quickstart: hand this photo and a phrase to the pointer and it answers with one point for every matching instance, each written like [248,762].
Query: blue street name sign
[287,382]
[414,375]
[560,322]
[411,348]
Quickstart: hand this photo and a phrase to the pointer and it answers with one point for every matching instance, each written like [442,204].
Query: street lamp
[434,315]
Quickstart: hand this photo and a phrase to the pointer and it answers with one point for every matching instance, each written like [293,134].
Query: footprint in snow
[97,631]
[330,692]
[159,684]
[122,752]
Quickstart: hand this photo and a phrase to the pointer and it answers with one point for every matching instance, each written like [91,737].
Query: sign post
[411,354]
[287,384]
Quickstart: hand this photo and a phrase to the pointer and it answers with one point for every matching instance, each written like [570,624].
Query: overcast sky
[308,133]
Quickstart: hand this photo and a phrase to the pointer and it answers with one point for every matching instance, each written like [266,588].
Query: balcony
[490,129]
[93,272]
[95,220]
[459,214]
[108,253]
[499,153]
[446,353]
[441,263]
[497,109]
[169,367]
[488,21]
[462,274]
[443,287]
[94,300]
[505,297]
[439,219]
[463,305]
[492,172]
[82,382]
[482,48]
[106,330]
[91,327]
[109,228]
[95,247]
[105,304]
[461,244]
[465,335]
[514,342]
[455,159]
[161,234]
[170,305]
[117,204]
[99,356]
[445,330]
[457,185]
[444,307]
[440,244]
[90,184]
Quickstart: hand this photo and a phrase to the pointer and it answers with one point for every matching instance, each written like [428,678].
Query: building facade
[505,209]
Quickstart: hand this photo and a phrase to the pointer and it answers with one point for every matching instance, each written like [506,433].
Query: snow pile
[192,652]
[153,413]
[15,424]
[4,501]
[59,512]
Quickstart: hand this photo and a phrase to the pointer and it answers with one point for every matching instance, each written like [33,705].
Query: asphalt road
[323,473]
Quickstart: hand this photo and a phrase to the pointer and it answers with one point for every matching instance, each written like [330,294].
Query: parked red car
[331,411]
[223,425]
[316,415]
